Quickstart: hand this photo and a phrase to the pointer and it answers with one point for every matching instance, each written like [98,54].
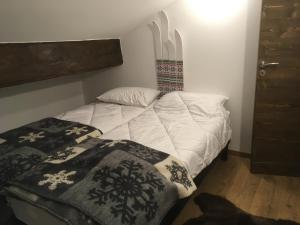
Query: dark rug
[219,211]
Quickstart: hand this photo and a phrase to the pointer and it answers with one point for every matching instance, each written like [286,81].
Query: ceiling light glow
[216,10]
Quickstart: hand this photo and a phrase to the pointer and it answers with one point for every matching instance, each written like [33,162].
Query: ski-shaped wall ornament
[179,48]
[179,59]
[157,39]
[171,50]
[169,55]
[164,34]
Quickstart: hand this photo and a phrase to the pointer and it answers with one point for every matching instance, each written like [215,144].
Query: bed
[192,129]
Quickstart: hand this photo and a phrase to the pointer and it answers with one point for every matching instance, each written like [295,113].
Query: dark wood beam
[28,62]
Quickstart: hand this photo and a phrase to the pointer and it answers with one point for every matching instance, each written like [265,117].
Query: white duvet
[192,128]
[104,116]
[179,124]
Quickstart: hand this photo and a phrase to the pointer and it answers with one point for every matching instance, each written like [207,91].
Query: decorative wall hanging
[169,55]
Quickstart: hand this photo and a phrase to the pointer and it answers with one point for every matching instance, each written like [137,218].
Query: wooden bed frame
[173,213]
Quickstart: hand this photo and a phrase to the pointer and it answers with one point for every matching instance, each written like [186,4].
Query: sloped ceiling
[51,20]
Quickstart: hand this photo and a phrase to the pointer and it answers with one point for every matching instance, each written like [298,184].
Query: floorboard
[262,195]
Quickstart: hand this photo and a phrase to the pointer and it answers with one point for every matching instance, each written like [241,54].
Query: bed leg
[224,154]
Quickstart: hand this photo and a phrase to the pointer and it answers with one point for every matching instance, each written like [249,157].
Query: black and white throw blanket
[24,147]
[106,182]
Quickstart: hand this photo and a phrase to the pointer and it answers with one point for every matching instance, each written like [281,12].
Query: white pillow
[208,105]
[133,96]
[204,99]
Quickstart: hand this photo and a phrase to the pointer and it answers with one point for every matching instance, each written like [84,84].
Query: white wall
[29,102]
[52,20]
[58,20]
[138,68]
[253,28]
[219,57]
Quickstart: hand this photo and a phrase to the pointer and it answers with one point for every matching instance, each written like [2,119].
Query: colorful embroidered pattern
[169,75]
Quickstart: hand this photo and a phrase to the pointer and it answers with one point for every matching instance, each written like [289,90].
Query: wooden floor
[262,195]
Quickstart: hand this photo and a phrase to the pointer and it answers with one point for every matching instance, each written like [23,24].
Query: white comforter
[180,125]
[104,116]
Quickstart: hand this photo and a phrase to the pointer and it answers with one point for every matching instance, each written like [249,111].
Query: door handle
[263,65]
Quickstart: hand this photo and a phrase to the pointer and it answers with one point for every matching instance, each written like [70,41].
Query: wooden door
[276,138]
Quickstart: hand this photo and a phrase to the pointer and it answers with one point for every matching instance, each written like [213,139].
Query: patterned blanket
[24,147]
[106,182]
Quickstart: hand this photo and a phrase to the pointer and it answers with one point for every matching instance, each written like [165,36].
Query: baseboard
[239,154]
[281,169]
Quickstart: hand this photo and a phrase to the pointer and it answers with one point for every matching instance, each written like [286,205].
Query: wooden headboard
[27,62]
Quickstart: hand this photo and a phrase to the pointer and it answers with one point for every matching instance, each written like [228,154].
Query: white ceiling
[49,20]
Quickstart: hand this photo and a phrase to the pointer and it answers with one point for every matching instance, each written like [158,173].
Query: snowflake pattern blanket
[107,182]
[24,147]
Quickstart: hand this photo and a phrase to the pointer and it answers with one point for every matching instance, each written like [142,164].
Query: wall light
[216,10]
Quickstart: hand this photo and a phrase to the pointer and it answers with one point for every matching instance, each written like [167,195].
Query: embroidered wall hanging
[169,55]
